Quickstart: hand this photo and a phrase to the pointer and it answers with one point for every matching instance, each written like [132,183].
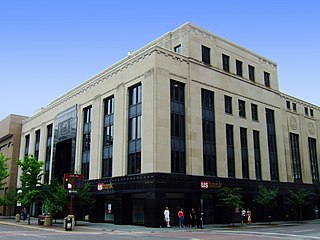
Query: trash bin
[18,217]
[68,223]
[41,219]
[47,220]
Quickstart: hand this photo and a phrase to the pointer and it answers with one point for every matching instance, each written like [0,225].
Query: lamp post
[71,197]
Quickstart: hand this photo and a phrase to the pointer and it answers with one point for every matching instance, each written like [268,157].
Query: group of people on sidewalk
[195,218]
[246,216]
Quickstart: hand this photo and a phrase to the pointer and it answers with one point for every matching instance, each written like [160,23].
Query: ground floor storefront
[141,199]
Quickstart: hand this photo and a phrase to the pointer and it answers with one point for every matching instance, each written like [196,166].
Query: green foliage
[267,197]
[10,199]
[83,196]
[299,198]
[3,170]
[230,197]
[54,197]
[30,179]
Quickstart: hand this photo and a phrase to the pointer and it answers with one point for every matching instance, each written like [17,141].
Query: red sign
[73,181]
[102,186]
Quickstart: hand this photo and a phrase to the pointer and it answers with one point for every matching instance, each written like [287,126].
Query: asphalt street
[9,230]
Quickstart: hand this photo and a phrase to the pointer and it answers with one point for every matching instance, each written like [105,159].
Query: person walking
[166,214]
[243,215]
[248,216]
[193,218]
[199,218]
[181,218]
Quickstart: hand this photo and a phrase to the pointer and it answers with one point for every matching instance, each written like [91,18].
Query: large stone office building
[10,135]
[172,123]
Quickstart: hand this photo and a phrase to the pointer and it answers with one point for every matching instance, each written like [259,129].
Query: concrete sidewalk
[84,226]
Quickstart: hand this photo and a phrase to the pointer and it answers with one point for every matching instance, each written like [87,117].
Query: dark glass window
[239,68]
[208,133]
[228,104]
[48,154]
[244,152]
[205,54]
[225,62]
[134,129]
[294,107]
[27,142]
[251,72]
[266,79]
[242,108]
[37,145]
[177,48]
[311,113]
[272,144]
[257,154]
[86,141]
[230,151]
[295,157]
[254,112]
[306,111]
[107,151]
[313,159]
[178,141]
[288,105]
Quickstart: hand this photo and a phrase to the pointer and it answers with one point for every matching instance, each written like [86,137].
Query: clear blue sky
[49,47]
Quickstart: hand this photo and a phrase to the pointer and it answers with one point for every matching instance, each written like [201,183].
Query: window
[230,150]
[288,105]
[177,48]
[244,152]
[251,72]
[86,141]
[257,154]
[228,104]
[239,68]
[294,107]
[295,157]
[134,129]
[313,159]
[266,79]
[37,145]
[107,153]
[208,133]
[27,142]
[306,111]
[48,154]
[178,140]
[272,145]
[205,54]
[225,62]
[311,113]
[254,112]
[242,108]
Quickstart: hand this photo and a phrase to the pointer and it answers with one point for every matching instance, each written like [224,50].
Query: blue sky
[49,47]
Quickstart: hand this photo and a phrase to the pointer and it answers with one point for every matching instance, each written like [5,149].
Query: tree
[30,179]
[4,173]
[231,199]
[297,200]
[54,197]
[267,198]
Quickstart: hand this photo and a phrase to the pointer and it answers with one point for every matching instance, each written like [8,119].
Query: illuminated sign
[103,186]
[210,185]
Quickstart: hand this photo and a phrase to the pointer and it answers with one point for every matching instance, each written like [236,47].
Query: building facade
[10,135]
[174,122]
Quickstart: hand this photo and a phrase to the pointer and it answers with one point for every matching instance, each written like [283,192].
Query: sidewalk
[83,226]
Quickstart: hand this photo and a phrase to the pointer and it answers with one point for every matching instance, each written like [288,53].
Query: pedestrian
[248,216]
[181,218]
[166,215]
[243,215]
[193,218]
[24,214]
[199,218]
